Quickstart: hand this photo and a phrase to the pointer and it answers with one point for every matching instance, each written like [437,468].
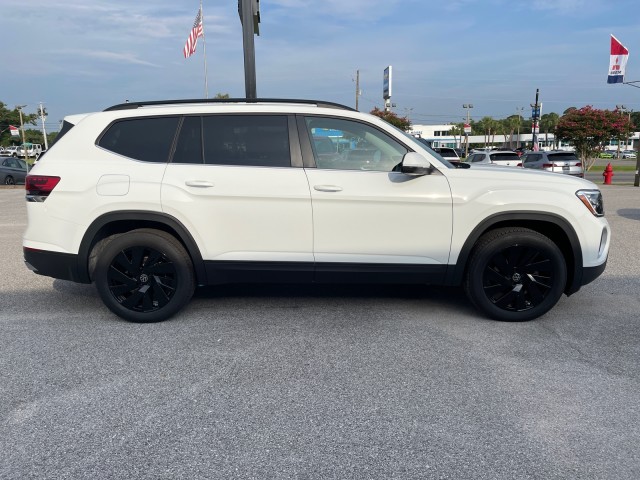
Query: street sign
[467,129]
[15,131]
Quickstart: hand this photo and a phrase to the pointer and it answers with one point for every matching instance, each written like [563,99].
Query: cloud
[115,57]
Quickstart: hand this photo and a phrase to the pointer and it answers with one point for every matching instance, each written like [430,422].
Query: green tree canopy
[403,123]
[589,129]
[12,117]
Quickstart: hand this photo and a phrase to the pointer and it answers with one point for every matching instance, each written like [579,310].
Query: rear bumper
[63,266]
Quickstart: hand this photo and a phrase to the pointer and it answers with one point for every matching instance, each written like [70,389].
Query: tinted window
[257,140]
[146,139]
[358,146]
[504,156]
[563,157]
[532,157]
[189,144]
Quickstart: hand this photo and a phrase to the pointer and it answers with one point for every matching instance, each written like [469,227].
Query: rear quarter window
[563,157]
[144,139]
[504,156]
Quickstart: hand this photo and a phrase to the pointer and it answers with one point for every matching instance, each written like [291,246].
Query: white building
[441,137]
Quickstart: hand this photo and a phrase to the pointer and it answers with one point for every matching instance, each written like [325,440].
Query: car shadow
[630,213]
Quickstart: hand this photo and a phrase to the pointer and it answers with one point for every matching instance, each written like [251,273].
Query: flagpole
[204,51]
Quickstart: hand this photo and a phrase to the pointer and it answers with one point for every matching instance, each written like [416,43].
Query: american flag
[190,47]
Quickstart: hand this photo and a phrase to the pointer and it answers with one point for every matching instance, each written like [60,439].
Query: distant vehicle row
[32,150]
[614,154]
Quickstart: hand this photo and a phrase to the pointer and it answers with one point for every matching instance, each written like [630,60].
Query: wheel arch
[558,229]
[124,221]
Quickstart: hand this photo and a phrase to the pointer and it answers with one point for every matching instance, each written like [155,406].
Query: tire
[515,274]
[9,180]
[144,275]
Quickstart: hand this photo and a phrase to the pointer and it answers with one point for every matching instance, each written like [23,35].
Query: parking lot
[320,382]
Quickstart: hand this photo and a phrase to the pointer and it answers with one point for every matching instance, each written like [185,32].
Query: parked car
[32,150]
[450,154]
[557,161]
[505,158]
[606,154]
[11,151]
[150,199]
[629,154]
[12,171]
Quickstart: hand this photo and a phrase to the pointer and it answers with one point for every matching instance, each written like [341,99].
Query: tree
[222,96]
[457,130]
[403,123]
[589,128]
[12,117]
[548,124]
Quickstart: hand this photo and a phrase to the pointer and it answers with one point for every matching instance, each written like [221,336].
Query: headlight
[592,199]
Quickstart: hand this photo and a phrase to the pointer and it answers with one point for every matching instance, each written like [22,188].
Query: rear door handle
[198,183]
[327,188]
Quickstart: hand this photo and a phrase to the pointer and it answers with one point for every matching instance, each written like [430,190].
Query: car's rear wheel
[144,275]
[515,274]
[9,180]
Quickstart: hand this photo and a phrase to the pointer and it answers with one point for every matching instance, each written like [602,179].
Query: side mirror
[415,164]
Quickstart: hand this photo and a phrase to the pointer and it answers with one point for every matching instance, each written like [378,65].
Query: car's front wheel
[515,274]
[9,180]
[144,275]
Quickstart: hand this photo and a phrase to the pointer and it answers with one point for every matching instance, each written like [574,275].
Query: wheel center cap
[516,277]
[144,278]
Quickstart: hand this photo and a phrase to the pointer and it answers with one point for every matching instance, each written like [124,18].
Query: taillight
[520,164]
[39,187]
[579,164]
[547,165]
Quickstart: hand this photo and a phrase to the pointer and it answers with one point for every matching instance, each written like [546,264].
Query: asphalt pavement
[320,382]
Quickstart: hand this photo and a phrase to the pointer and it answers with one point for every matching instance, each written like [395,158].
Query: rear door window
[255,140]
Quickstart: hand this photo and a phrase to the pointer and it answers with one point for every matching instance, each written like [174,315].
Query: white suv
[149,200]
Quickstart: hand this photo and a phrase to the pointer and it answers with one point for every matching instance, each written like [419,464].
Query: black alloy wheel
[144,275]
[8,180]
[515,274]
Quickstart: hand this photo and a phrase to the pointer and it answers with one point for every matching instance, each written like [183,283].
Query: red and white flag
[190,47]
[617,61]
[15,131]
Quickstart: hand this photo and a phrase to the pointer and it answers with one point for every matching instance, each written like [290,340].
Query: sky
[78,56]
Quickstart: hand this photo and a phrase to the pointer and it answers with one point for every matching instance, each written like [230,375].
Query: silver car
[556,161]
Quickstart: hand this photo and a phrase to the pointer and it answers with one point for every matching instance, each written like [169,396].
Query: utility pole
[24,139]
[468,107]
[357,87]
[44,132]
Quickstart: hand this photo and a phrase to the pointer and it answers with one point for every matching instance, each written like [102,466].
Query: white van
[33,150]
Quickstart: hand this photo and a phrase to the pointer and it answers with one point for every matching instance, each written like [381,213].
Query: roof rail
[134,105]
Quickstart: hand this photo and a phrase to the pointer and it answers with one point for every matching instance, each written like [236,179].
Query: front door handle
[327,188]
[198,183]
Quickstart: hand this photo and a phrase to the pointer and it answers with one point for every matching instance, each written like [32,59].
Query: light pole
[519,112]
[535,114]
[24,140]
[467,107]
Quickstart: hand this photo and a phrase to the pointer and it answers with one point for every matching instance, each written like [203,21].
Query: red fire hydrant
[607,174]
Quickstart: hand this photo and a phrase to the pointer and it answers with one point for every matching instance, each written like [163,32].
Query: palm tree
[548,123]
